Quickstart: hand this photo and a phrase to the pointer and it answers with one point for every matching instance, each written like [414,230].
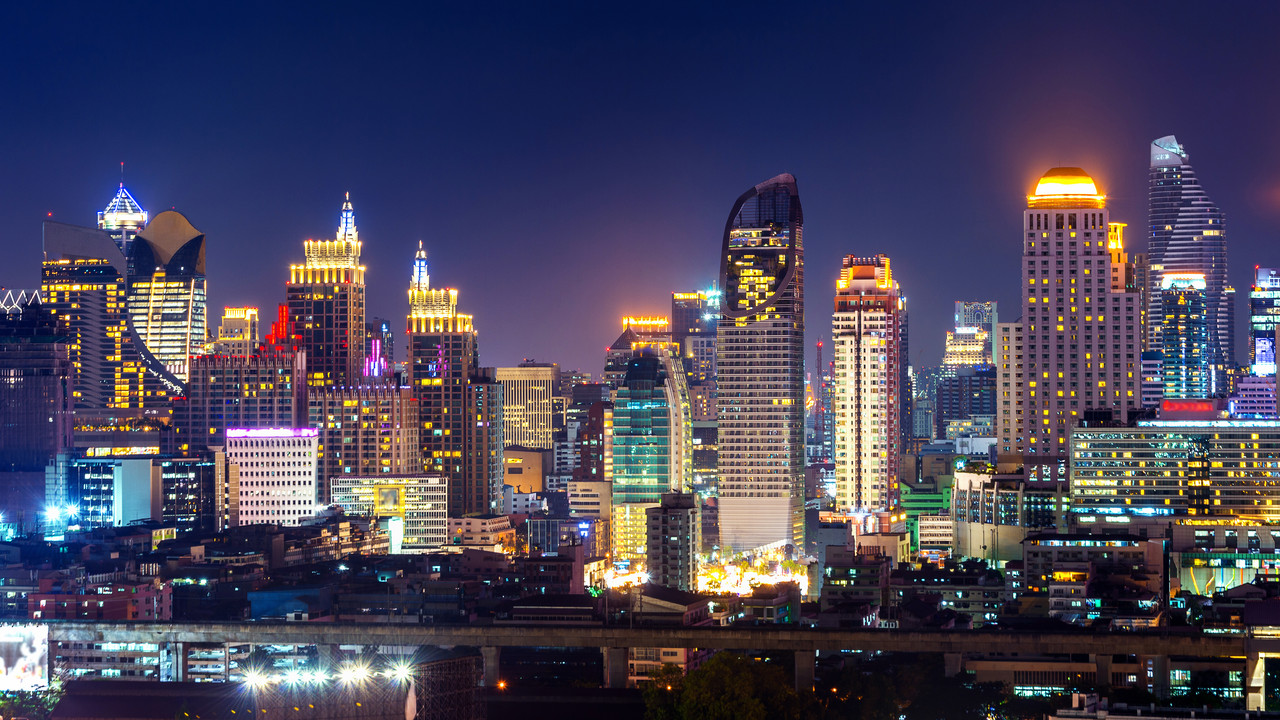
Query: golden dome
[1066,187]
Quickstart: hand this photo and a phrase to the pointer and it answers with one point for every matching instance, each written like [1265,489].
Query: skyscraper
[364,430]
[1264,318]
[167,295]
[325,297]
[1188,235]
[760,369]
[459,403]
[980,314]
[866,330]
[122,219]
[238,332]
[652,448]
[530,404]
[1080,322]
[1184,335]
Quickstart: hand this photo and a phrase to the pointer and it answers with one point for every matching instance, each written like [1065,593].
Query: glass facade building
[1184,335]
[1264,317]
[760,370]
[1188,235]
[167,294]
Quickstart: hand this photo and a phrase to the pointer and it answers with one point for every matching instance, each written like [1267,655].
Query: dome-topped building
[1066,187]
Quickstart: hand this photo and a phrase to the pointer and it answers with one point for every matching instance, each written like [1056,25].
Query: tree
[726,687]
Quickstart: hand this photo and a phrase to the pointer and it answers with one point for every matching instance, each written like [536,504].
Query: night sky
[569,164]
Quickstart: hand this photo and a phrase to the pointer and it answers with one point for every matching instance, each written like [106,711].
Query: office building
[1184,336]
[459,403]
[760,370]
[992,512]
[410,507]
[638,333]
[1081,332]
[263,390]
[965,347]
[981,314]
[674,536]
[325,298]
[867,333]
[1179,467]
[35,401]
[379,349]
[84,281]
[1152,378]
[1255,397]
[532,407]
[167,294]
[971,391]
[652,447]
[694,313]
[1264,318]
[277,473]
[1188,235]
[365,431]
[238,332]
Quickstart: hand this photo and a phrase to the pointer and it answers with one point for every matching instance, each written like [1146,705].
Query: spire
[347,222]
[421,277]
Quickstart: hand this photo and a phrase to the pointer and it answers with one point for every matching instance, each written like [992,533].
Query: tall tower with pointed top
[122,219]
[459,402]
[325,300]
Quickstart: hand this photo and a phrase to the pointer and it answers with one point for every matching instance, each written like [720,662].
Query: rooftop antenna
[121,173]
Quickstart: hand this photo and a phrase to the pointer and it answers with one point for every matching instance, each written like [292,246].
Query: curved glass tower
[1188,235]
[760,365]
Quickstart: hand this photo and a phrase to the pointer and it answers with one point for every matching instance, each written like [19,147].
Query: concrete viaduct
[614,642]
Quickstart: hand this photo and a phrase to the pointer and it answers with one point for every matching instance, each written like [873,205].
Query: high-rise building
[379,349]
[167,295]
[673,539]
[365,430]
[760,370]
[965,347]
[652,447]
[1184,336]
[637,333]
[459,403]
[1188,235]
[264,390]
[971,391]
[238,332]
[122,219]
[35,400]
[693,313]
[1081,327]
[325,298]
[1011,389]
[84,281]
[532,407]
[867,330]
[1264,319]
[981,314]
[277,471]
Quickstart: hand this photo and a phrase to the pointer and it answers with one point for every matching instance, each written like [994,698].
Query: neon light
[272,432]
[1187,406]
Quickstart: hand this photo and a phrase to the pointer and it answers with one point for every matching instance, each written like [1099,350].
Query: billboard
[24,657]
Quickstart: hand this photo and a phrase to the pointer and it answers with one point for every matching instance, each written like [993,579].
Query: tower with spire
[325,298]
[122,218]
[459,402]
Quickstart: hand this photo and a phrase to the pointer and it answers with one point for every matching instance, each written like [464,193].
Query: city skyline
[472,178]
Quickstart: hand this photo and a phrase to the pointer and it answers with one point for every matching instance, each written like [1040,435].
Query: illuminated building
[84,281]
[325,299]
[1184,336]
[1255,397]
[866,331]
[993,512]
[965,347]
[379,349]
[1264,319]
[238,332]
[365,430]
[239,391]
[1152,378]
[122,219]
[693,313]
[652,447]
[674,537]
[459,403]
[1188,235]
[167,290]
[637,333]
[277,473]
[532,407]
[1179,467]
[1080,319]
[971,391]
[981,314]
[760,370]
[410,507]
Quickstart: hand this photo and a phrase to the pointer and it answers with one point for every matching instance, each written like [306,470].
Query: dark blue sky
[568,164]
